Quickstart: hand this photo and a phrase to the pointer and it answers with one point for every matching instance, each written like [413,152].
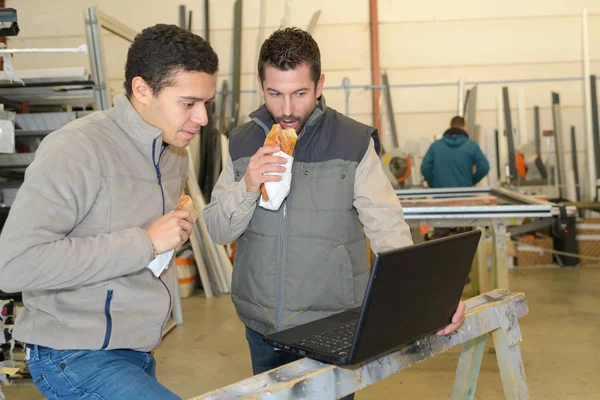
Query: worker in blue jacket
[454,160]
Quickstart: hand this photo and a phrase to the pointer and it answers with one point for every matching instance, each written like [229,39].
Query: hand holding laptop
[457,320]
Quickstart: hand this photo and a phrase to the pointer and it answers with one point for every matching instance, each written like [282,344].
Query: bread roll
[285,139]
[186,203]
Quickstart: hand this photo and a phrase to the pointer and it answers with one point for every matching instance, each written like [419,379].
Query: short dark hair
[457,122]
[289,48]
[162,50]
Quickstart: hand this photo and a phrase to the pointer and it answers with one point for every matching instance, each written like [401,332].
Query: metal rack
[70,87]
[94,21]
[48,90]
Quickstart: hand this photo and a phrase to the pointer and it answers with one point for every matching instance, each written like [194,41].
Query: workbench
[492,210]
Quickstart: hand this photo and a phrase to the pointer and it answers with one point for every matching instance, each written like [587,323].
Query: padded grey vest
[308,259]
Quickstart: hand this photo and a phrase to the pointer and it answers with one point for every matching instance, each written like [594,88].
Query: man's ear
[141,91]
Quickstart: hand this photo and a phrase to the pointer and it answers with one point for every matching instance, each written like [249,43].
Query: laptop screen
[413,292]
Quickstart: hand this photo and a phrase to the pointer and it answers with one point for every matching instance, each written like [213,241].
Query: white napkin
[278,191]
[161,262]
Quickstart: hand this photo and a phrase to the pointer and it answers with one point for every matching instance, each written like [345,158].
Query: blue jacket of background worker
[454,161]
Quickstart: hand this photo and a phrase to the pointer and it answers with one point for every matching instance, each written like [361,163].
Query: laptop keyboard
[336,341]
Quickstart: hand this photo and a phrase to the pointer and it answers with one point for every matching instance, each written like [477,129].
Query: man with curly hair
[94,211]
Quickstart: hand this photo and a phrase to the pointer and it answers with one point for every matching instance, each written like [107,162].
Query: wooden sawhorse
[496,312]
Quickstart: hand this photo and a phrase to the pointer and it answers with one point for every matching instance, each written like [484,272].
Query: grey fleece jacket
[74,242]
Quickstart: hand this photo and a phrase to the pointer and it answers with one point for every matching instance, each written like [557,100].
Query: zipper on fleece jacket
[108,332]
[158,175]
[164,206]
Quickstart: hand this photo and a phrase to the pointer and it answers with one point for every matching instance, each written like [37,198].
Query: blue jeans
[265,358]
[95,374]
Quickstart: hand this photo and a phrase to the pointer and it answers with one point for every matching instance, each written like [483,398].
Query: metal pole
[94,40]
[206,21]
[498,169]
[500,129]
[375,74]
[390,109]
[538,139]
[237,61]
[80,49]
[460,100]
[595,127]
[262,12]
[346,84]
[466,105]
[489,148]
[312,24]
[551,171]
[575,164]
[285,20]
[591,159]
[521,117]
[470,111]
[558,144]
[509,134]
[182,16]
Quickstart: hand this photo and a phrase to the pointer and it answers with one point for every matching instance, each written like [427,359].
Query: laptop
[413,291]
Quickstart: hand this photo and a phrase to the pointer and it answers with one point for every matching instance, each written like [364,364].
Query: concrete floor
[560,348]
